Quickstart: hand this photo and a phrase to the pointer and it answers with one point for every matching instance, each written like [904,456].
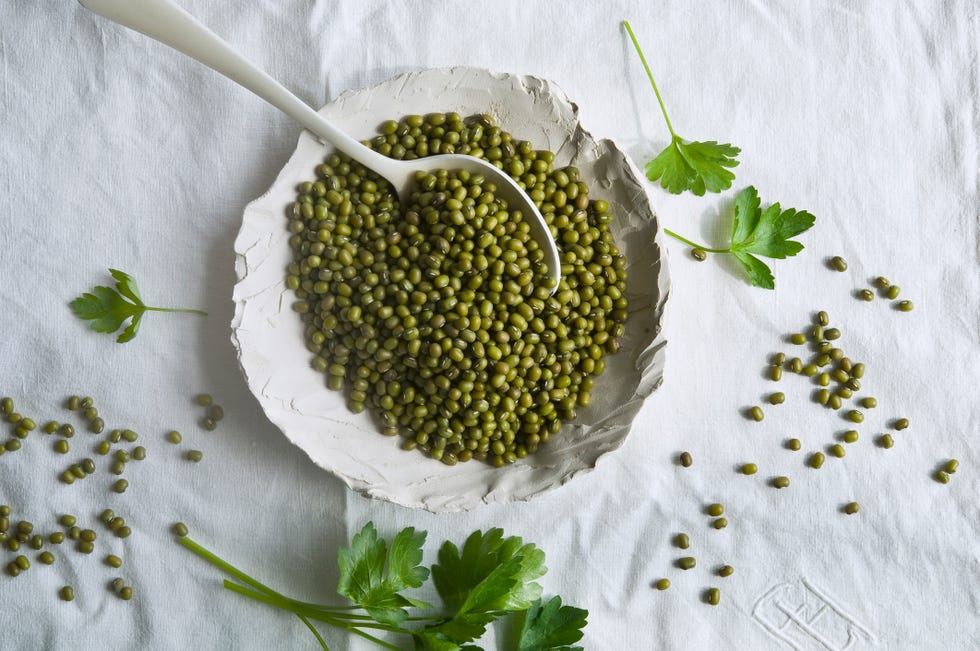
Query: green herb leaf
[491,573]
[687,165]
[694,166]
[552,627]
[108,308]
[365,581]
[765,233]
[127,286]
[754,231]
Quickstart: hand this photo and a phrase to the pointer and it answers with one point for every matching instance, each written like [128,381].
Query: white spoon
[166,22]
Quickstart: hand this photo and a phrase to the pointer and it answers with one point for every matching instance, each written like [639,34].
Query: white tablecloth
[115,151]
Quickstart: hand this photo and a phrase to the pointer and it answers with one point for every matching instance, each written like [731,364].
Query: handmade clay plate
[269,335]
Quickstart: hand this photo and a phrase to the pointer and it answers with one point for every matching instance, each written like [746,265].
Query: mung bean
[713,596]
[686,459]
[781,482]
[851,508]
[777,398]
[687,562]
[951,466]
[866,295]
[893,292]
[905,306]
[900,424]
[838,263]
[749,469]
[816,460]
[756,414]
[662,584]
[794,445]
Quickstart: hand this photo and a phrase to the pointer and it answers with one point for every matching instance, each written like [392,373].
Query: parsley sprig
[685,164]
[489,578]
[109,308]
[760,232]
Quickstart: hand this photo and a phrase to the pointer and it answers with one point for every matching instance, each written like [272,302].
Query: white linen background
[116,151]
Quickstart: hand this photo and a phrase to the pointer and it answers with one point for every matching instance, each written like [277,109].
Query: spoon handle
[168,23]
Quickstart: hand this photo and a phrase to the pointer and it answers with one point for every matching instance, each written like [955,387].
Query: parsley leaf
[684,164]
[363,578]
[108,308]
[756,232]
[491,573]
[552,627]
[490,578]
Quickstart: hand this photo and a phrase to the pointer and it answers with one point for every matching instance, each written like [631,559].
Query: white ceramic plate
[269,339]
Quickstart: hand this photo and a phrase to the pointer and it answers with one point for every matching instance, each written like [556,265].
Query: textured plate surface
[275,361]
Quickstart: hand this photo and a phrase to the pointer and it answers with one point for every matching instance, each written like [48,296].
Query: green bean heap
[437,313]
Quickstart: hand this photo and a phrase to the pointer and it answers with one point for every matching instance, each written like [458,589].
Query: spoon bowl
[164,21]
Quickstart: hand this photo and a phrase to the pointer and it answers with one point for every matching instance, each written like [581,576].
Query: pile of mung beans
[436,314]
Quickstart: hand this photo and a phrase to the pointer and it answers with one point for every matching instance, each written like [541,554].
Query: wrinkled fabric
[117,152]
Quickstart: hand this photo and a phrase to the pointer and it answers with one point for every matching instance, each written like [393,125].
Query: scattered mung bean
[855,416]
[893,292]
[720,523]
[686,459]
[900,424]
[942,476]
[726,570]
[113,561]
[749,469]
[816,460]
[204,399]
[777,398]
[686,563]
[120,486]
[756,414]
[851,508]
[662,584]
[905,306]
[780,482]
[713,596]
[794,445]
[46,557]
[181,529]
[194,455]
[681,540]
[866,295]
[699,254]
[838,263]
[951,466]
[886,441]
[174,437]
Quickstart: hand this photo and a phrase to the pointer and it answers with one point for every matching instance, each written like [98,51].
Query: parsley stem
[653,83]
[174,309]
[322,617]
[316,633]
[695,244]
